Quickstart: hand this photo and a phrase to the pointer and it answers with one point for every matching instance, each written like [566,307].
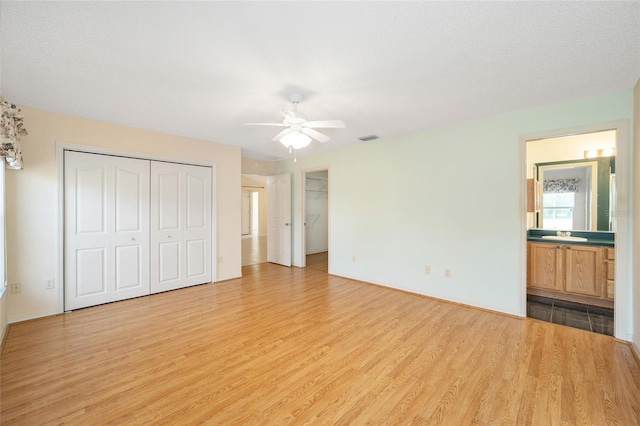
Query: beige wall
[252,166]
[32,200]
[636,218]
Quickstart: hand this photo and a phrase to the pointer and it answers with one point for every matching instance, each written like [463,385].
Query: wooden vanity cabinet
[579,273]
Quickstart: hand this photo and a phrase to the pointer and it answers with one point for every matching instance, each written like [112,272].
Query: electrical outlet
[49,284]
[427,270]
[353,258]
[447,273]
[16,288]
[220,258]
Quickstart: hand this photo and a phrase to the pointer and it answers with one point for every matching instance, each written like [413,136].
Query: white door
[106,229]
[279,219]
[246,212]
[180,226]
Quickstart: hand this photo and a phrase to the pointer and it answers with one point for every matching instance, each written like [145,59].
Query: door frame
[301,240]
[250,211]
[61,147]
[623,216]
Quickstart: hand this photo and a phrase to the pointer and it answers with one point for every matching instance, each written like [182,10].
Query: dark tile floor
[577,315]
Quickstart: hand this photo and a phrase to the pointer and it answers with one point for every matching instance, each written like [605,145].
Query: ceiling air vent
[369,138]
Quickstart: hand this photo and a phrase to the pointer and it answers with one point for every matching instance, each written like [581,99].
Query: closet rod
[251,186]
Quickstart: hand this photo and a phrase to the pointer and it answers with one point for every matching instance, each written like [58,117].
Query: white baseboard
[395,287]
[227,278]
[20,318]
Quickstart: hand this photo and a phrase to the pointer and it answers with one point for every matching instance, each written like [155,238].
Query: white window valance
[11,128]
[559,186]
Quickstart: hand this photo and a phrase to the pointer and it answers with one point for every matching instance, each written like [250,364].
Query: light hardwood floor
[254,249]
[297,346]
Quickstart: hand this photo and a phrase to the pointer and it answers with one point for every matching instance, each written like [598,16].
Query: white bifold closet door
[180,226]
[106,229]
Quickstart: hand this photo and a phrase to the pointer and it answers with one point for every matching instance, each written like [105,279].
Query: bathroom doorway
[571,230]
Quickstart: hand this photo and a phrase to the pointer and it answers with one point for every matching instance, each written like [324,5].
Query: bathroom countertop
[594,238]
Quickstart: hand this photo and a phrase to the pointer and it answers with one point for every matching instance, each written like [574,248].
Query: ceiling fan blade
[327,124]
[316,135]
[281,135]
[266,124]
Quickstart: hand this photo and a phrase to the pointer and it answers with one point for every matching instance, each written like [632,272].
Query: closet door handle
[168,236]
[132,239]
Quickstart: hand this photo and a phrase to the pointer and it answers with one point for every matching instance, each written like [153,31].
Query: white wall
[636,218]
[448,198]
[32,199]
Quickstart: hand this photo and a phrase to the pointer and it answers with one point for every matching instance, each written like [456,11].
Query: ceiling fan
[299,131]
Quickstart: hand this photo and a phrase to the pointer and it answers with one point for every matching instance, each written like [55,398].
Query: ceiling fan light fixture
[296,140]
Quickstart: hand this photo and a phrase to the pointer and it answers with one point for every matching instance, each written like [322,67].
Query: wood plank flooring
[297,346]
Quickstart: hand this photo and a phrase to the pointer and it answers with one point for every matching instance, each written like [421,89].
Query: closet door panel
[197,234]
[169,200]
[196,260]
[128,267]
[180,226]
[169,265]
[106,229]
[130,233]
[87,240]
[91,273]
[130,228]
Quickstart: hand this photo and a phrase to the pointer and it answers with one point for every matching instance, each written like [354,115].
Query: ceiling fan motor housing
[296,98]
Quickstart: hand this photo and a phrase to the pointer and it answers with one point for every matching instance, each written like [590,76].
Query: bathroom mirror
[576,194]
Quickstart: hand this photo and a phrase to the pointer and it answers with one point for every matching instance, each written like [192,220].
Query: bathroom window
[557,210]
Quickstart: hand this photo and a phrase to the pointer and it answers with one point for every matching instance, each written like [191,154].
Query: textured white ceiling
[387,68]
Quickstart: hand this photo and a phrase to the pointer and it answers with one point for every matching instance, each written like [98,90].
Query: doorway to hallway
[254,221]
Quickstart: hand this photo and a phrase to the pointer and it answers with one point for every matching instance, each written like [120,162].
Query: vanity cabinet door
[584,273]
[546,266]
